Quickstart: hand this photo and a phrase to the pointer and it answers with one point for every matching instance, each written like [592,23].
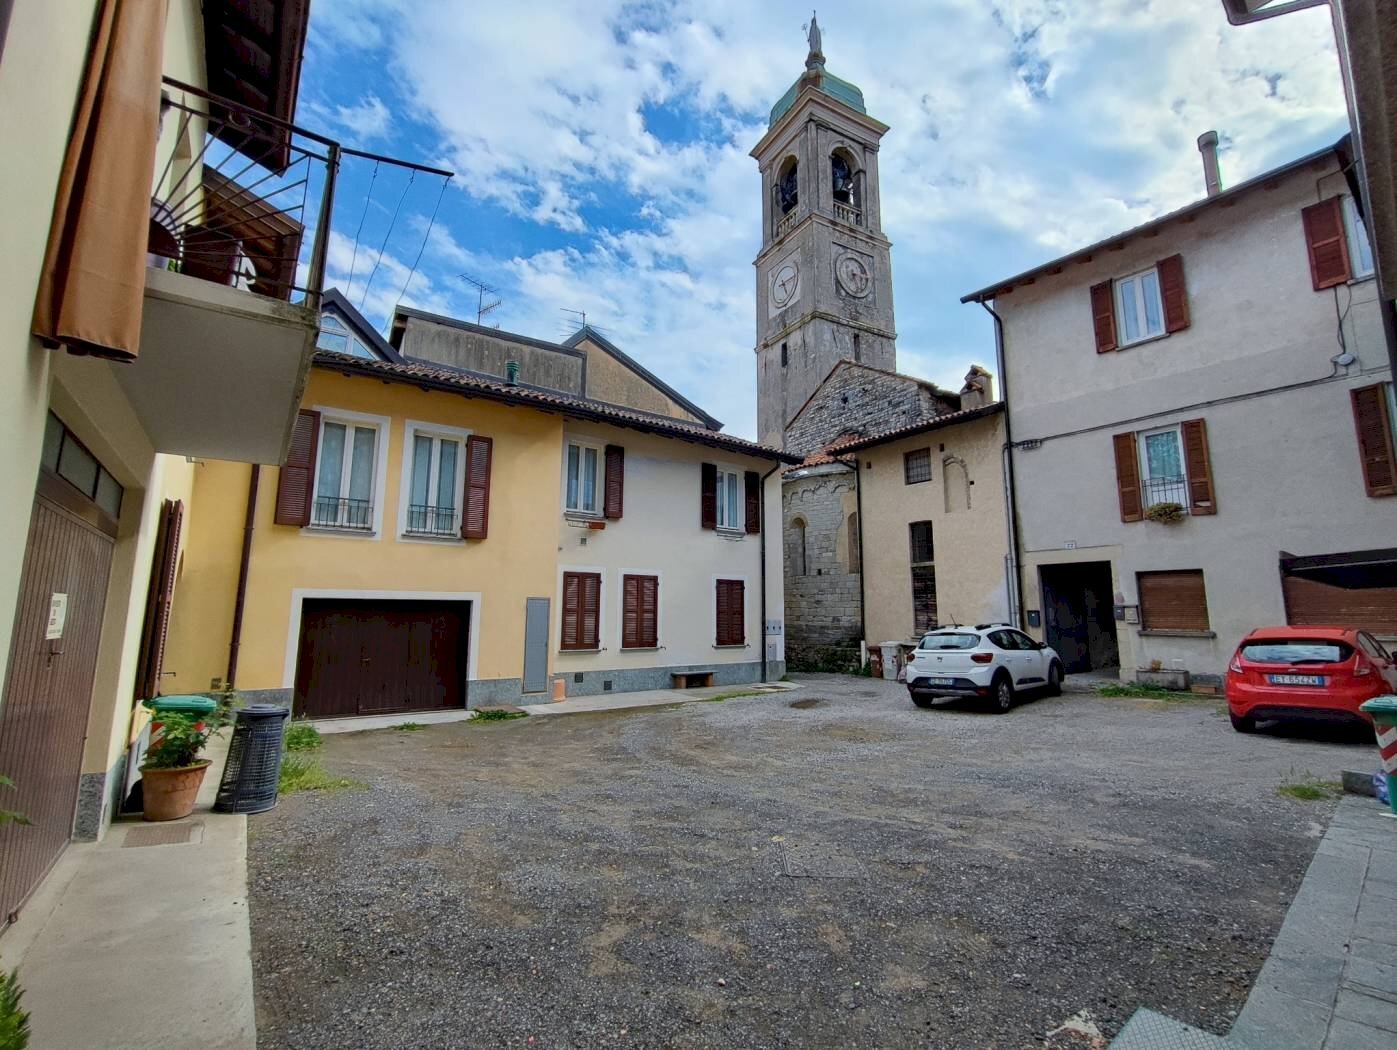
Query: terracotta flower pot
[170,793]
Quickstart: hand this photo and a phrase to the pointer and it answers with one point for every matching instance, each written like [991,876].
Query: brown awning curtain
[91,288]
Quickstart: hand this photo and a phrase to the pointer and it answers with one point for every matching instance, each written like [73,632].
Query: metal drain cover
[818,862]
[164,834]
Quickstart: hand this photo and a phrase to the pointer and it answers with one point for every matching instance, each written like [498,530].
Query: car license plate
[1295,679]
[938,681]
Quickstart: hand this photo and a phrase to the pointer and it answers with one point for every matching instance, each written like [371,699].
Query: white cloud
[1019,130]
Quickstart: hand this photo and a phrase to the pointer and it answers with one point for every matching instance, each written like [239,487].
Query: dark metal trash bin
[250,775]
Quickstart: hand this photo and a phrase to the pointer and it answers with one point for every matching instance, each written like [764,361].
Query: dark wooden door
[379,657]
[48,690]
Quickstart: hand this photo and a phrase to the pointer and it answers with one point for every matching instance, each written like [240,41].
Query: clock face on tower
[853,275]
[785,284]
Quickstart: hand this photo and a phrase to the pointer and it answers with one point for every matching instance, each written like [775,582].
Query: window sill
[1143,341]
[740,645]
[340,530]
[582,515]
[1164,633]
[641,648]
[730,533]
[427,537]
[566,652]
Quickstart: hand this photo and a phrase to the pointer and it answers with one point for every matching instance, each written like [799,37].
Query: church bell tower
[824,273]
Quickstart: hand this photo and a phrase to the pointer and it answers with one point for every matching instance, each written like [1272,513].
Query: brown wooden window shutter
[1173,601]
[581,610]
[753,486]
[296,480]
[159,599]
[708,496]
[731,598]
[640,612]
[1375,445]
[1128,477]
[615,488]
[1199,466]
[1173,292]
[475,504]
[1324,236]
[1103,316]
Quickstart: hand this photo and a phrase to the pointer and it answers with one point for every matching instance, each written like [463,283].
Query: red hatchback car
[1306,673]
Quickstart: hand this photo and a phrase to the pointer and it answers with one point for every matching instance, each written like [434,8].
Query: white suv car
[990,660]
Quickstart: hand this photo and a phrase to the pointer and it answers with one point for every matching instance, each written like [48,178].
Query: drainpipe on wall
[764,534]
[1015,579]
[238,602]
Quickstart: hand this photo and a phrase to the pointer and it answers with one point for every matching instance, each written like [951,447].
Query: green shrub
[302,736]
[14,1022]
[495,714]
[305,773]
[182,738]
[9,816]
[410,727]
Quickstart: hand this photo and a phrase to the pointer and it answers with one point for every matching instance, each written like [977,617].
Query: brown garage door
[1357,589]
[378,657]
[48,690]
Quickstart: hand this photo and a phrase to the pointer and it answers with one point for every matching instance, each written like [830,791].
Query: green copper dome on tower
[815,73]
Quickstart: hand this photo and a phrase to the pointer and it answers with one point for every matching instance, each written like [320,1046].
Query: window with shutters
[640,612]
[1375,420]
[1162,474]
[732,500]
[1139,308]
[1360,249]
[916,466]
[582,478]
[581,611]
[729,615]
[433,472]
[348,478]
[1173,601]
[922,557]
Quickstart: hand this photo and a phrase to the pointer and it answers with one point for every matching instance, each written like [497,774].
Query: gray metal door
[535,645]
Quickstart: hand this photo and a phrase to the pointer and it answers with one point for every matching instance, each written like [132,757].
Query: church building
[827,347]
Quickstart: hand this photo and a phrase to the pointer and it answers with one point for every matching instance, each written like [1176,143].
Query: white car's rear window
[949,641]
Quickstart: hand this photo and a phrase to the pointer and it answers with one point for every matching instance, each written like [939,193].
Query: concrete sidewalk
[652,698]
[1330,982]
[143,940]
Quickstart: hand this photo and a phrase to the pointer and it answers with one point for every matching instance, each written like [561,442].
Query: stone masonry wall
[823,602]
[861,400]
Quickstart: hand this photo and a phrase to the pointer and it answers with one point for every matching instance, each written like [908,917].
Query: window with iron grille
[433,485]
[345,474]
[922,556]
[916,466]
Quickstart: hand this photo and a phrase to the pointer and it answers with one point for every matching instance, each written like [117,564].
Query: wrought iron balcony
[332,513]
[233,194]
[1166,489]
[424,519]
[848,213]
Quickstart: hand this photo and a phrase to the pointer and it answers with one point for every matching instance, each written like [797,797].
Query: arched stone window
[846,180]
[852,535]
[796,542]
[787,186]
[956,478]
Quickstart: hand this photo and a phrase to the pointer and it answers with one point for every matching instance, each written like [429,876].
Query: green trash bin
[1384,712]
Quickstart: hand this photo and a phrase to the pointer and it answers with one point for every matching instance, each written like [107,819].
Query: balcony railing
[234,192]
[332,513]
[1166,489]
[848,213]
[783,224]
[424,519]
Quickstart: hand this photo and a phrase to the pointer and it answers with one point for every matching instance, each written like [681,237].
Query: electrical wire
[362,216]
[423,247]
[388,233]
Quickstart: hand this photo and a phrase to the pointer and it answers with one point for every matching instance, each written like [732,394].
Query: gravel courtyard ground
[852,872]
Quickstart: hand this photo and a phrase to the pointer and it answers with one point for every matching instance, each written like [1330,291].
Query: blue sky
[601,152]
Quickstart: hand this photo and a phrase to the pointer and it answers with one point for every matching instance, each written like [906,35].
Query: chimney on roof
[1208,146]
[978,390]
[511,372]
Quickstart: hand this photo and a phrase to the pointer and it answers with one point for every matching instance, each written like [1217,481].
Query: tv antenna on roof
[482,292]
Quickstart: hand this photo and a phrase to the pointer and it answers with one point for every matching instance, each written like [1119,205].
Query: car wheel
[1242,725]
[1055,679]
[1002,698]
[922,700]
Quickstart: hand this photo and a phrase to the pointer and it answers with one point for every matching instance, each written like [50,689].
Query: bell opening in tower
[788,186]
